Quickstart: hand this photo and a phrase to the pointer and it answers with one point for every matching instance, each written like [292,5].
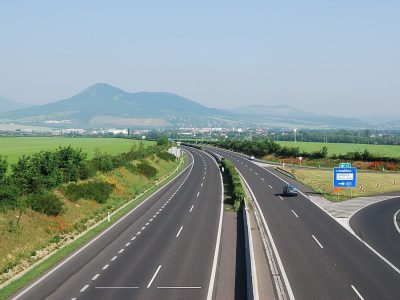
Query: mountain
[102,105]
[7,105]
[286,116]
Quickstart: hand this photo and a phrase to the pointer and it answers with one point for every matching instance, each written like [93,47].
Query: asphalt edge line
[68,258]
[395,220]
[274,248]
[210,292]
[348,227]
[252,280]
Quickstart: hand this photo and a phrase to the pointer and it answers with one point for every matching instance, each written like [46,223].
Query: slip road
[167,248]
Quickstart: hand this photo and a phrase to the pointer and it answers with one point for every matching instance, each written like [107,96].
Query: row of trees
[260,148]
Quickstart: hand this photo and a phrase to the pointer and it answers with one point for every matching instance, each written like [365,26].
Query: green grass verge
[66,250]
[322,181]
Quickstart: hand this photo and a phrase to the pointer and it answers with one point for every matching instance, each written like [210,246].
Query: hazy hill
[7,105]
[102,105]
[293,117]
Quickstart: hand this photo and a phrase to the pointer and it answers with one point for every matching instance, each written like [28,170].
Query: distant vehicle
[290,190]
[251,157]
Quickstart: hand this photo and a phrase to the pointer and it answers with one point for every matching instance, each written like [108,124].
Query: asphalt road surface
[321,259]
[375,225]
[167,248]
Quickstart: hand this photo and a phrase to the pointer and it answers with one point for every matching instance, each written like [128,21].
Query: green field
[15,147]
[322,181]
[336,148]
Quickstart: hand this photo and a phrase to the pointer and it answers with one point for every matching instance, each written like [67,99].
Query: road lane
[314,272]
[375,225]
[141,257]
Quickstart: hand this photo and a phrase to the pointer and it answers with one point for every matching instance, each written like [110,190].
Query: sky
[337,57]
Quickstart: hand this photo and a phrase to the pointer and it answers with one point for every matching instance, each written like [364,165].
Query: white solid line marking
[179,231]
[134,238]
[295,213]
[191,208]
[270,186]
[190,166]
[114,258]
[357,292]
[116,287]
[105,267]
[280,197]
[84,288]
[395,220]
[154,276]
[96,276]
[122,250]
[317,241]
[179,287]
[127,244]
[284,275]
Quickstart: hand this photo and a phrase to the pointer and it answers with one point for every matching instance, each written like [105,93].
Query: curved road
[166,248]
[321,259]
[375,225]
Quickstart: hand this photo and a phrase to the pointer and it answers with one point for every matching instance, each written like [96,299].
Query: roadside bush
[46,202]
[97,190]
[9,194]
[166,156]
[102,162]
[3,168]
[145,169]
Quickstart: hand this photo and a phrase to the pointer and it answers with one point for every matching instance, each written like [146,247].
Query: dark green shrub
[102,162]
[145,169]
[46,202]
[166,156]
[9,194]
[131,168]
[97,190]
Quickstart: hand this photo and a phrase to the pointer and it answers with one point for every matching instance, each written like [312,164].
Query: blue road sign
[345,177]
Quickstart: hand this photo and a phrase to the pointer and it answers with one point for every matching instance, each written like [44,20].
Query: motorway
[375,224]
[321,259]
[166,248]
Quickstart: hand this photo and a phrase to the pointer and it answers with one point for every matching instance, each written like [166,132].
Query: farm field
[15,147]
[337,148]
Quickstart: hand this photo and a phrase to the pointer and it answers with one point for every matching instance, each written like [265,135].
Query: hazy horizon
[329,58]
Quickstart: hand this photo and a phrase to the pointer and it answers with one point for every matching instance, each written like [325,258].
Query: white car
[251,157]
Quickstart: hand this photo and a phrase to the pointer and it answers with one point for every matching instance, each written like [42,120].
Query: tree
[3,168]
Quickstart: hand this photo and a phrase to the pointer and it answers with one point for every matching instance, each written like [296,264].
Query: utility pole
[295,137]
